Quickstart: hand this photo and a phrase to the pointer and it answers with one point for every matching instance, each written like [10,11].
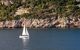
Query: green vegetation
[41,9]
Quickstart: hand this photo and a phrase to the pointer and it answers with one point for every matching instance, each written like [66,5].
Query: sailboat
[25,33]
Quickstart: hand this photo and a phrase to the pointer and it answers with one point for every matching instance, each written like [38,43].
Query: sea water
[40,39]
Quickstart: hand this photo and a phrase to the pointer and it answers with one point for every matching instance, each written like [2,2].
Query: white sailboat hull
[24,36]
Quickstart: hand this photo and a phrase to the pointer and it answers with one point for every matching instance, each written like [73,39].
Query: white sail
[27,32]
[24,30]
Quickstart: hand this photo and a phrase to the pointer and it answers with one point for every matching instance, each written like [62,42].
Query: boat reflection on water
[25,42]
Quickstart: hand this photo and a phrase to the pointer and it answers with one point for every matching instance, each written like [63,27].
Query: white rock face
[22,11]
[78,0]
[23,1]
[6,2]
[1,24]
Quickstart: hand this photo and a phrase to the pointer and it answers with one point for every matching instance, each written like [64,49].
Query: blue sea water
[40,39]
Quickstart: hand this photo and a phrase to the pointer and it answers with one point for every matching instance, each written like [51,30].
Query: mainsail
[24,30]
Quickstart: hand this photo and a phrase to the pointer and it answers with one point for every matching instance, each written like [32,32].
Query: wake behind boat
[25,33]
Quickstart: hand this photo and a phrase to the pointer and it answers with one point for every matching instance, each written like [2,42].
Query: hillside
[40,9]
[15,9]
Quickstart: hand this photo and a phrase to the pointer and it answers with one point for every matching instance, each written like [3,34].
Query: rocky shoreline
[41,23]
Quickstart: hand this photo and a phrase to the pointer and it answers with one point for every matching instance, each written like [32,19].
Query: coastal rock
[62,23]
[46,23]
[1,25]
[6,23]
[77,24]
[10,24]
[35,23]
[6,2]
[28,23]
[40,23]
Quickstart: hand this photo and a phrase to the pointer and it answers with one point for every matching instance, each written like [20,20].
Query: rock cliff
[41,23]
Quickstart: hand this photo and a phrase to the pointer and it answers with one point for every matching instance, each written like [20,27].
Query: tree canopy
[40,9]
